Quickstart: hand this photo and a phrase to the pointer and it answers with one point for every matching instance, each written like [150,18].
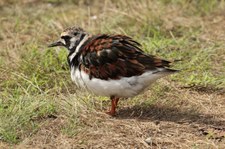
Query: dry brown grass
[192,120]
[173,114]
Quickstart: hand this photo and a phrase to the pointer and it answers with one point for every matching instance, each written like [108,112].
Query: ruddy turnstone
[110,65]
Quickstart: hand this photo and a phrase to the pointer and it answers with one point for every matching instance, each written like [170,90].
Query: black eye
[66,38]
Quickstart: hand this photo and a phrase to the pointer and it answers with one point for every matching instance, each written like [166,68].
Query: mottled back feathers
[115,56]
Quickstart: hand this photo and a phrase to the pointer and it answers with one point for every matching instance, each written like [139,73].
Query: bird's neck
[75,51]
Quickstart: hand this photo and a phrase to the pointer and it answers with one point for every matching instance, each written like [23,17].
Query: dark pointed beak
[57,43]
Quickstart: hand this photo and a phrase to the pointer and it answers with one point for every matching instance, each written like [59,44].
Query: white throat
[78,46]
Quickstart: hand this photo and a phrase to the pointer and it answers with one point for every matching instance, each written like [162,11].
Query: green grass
[35,80]
[22,116]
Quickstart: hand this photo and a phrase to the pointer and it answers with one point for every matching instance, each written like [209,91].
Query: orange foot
[114,101]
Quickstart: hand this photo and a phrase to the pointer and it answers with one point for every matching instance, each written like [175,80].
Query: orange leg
[114,101]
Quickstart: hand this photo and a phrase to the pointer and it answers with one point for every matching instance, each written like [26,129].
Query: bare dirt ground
[191,118]
[192,122]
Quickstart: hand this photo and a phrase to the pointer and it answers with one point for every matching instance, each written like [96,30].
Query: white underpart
[124,87]
[73,41]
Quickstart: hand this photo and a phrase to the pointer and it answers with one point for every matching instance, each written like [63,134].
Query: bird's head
[70,38]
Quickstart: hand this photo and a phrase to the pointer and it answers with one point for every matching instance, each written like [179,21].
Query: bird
[110,65]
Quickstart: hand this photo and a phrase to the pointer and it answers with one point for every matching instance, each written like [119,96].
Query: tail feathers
[166,71]
[169,70]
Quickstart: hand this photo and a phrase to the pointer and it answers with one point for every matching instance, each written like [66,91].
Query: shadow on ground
[159,113]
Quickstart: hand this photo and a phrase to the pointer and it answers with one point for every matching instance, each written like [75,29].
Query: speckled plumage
[110,65]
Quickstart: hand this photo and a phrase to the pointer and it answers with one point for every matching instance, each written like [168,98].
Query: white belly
[124,87]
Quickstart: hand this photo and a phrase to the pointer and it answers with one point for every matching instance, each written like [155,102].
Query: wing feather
[115,56]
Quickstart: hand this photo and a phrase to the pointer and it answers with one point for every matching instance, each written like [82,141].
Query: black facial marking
[67,39]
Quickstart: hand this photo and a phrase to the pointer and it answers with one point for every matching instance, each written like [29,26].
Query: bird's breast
[123,87]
